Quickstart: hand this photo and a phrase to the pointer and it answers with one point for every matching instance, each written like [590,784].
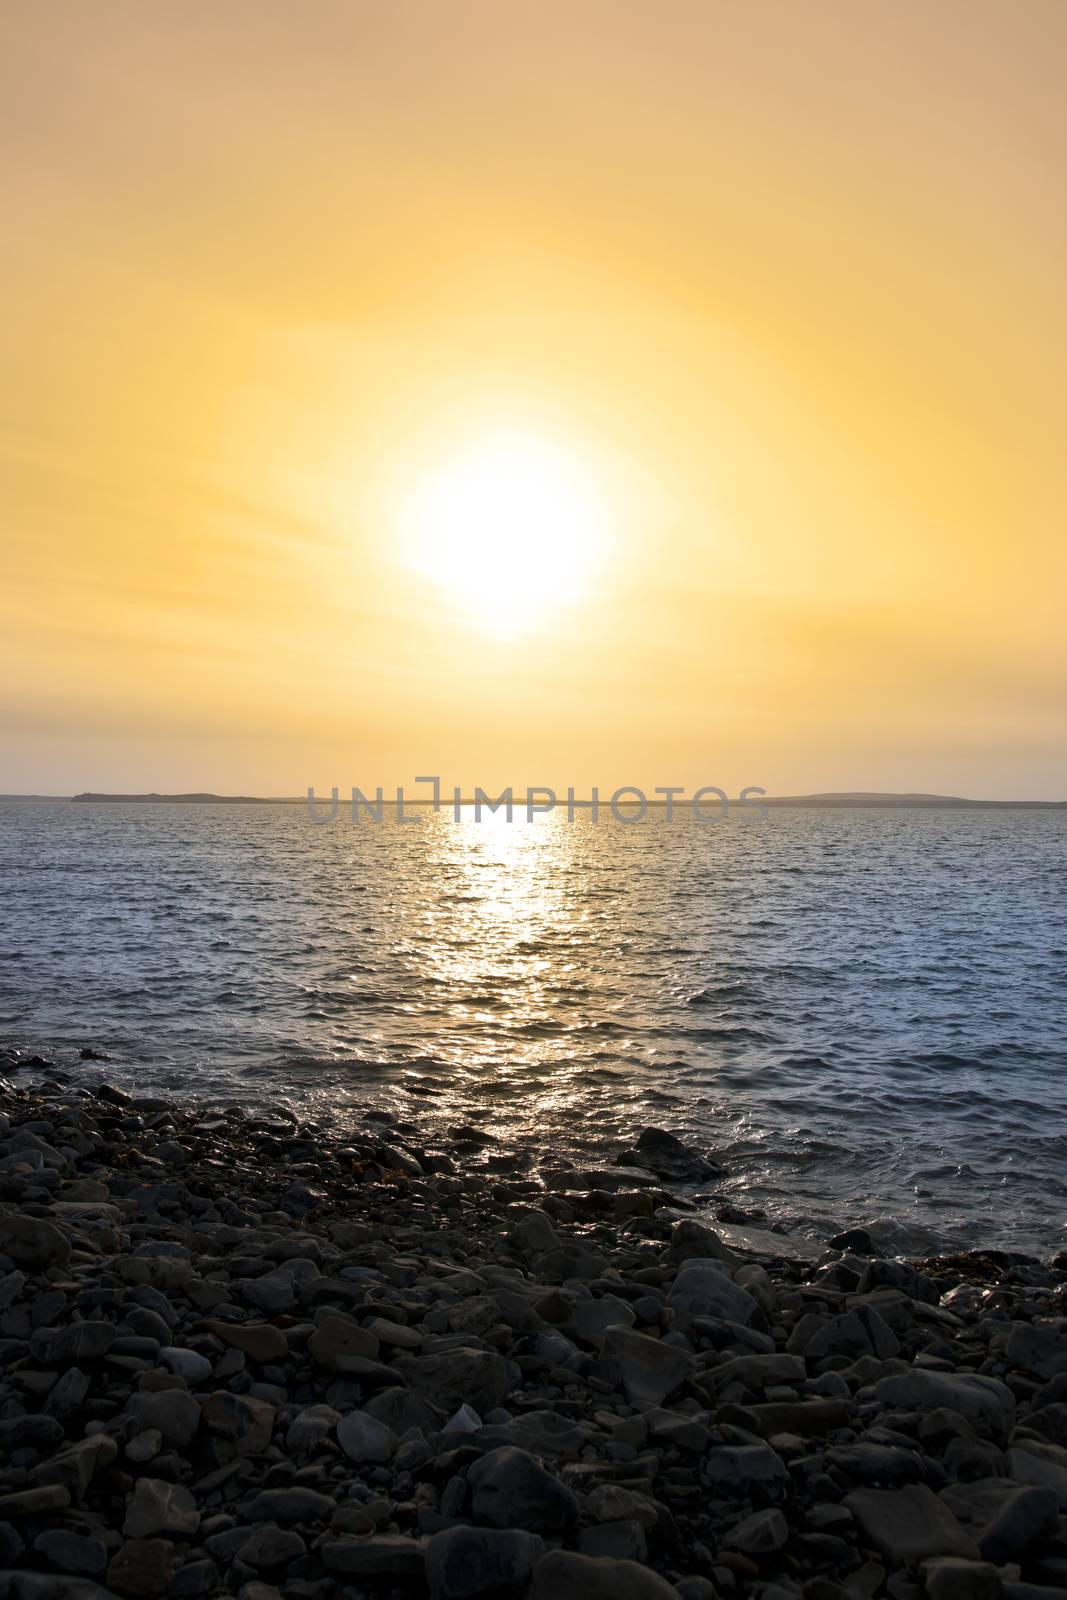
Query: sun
[512,527]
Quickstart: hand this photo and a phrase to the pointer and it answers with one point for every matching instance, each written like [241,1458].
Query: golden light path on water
[515,918]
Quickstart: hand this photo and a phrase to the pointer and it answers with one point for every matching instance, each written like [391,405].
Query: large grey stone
[562,1575]
[452,1378]
[649,1369]
[909,1525]
[363,1438]
[745,1470]
[986,1403]
[513,1490]
[462,1563]
[703,1289]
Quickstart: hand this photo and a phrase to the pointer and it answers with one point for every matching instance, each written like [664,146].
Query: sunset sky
[534,391]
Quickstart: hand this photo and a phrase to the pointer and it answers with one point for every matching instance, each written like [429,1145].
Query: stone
[610,1502]
[702,1289]
[193,1581]
[72,1552]
[465,1420]
[173,1412]
[950,1578]
[259,1340]
[1040,1348]
[33,1242]
[144,1446]
[463,1376]
[363,1438]
[621,1541]
[859,1332]
[71,1346]
[396,1335]
[590,1320]
[1043,1466]
[562,1575]
[74,1469]
[297,1503]
[986,1403]
[140,1569]
[382,1555]
[531,1231]
[695,1241]
[513,1490]
[245,1423]
[160,1507]
[187,1364]
[907,1526]
[340,1345]
[649,1369]
[1025,1516]
[268,1548]
[759,1371]
[664,1154]
[543,1433]
[310,1426]
[462,1563]
[745,1471]
[568,1261]
[761,1534]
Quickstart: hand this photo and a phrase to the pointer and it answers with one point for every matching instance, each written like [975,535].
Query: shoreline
[716,1182]
[255,1355]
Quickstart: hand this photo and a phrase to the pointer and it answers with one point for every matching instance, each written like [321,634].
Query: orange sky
[783,282]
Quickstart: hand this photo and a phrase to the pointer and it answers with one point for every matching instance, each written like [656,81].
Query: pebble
[246,1355]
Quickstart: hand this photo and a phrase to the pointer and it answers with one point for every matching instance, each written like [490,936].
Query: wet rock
[664,1154]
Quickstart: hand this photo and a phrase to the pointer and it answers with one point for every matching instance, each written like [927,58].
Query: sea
[861,1014]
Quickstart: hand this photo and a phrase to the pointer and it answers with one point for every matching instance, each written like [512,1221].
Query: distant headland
[850,799]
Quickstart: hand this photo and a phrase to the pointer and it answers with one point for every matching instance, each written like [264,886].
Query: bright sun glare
[513,527]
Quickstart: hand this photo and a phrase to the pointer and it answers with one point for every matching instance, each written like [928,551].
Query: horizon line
[854,799]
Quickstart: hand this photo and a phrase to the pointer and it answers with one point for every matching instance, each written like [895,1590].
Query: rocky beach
[246,1354]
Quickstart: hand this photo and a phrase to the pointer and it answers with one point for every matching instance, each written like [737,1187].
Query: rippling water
[863,1011]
